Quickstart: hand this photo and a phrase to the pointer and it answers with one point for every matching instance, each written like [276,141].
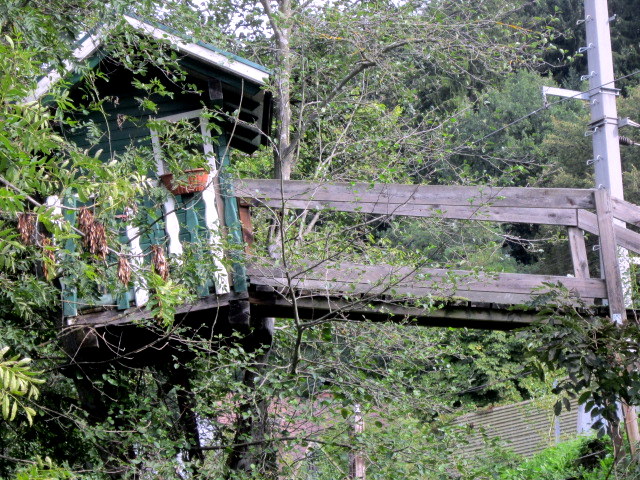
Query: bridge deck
[348,291]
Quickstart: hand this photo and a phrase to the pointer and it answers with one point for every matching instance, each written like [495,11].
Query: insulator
[626,141]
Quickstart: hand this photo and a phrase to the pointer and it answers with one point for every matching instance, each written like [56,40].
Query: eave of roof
[204,52]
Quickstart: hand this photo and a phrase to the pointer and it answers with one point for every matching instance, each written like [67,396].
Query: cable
[545,107]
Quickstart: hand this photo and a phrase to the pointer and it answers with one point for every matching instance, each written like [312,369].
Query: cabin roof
[88,46]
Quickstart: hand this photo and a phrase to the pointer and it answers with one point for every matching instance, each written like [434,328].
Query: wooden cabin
[221,98]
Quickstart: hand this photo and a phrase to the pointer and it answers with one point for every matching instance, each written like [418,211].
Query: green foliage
[593,357]
[43,469]
[561,462]
[501,142]
[18,385]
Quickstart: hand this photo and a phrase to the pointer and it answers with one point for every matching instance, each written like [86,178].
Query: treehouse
[209,103]
[221,105]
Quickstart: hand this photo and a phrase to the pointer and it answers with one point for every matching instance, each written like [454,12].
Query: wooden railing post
[609,256]
[615,292]
[247,226]
[578,252]
[579,256]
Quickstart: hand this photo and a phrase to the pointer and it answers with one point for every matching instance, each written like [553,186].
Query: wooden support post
[357,469]
[247,227]
[578,253]
[609,256]
[579,256]
[615,292]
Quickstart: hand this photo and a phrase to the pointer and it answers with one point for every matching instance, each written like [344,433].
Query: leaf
[584,397]
[557,408]
[14,411]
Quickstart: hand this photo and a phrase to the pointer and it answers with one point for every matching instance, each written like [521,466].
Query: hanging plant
[194,181]
[27,227]
[95,237]
[124,270]
[159,262]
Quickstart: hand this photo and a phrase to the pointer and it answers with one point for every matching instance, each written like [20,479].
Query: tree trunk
[252,422]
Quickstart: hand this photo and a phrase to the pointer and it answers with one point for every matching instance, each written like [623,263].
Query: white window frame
[212,220]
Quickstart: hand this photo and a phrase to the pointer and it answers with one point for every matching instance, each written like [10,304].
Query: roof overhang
[203,52]
[207,54]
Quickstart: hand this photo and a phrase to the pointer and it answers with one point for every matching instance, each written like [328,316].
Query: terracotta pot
[196,181]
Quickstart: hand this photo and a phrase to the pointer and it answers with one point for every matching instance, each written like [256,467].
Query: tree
[348,77]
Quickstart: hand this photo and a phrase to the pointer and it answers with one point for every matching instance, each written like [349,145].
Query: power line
[545,107]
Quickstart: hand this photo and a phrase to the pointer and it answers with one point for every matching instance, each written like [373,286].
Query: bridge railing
[579,210]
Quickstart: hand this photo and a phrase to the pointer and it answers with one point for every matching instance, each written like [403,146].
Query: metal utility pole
[604,125]
[603,130]
[602,98]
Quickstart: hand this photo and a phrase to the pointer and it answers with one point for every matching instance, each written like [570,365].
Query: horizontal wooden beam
[626,238]
[626,211]
[136,314]
[319,308]
[545,216]
[434,195]
[332,278]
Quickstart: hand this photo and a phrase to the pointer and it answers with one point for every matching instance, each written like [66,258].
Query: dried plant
[27,227]
[95,237]
[85,221]
[124,270]
[49,258]
[159,260]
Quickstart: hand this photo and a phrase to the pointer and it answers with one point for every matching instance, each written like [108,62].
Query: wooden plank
[337,308]
[588,222]
[172,226]
[188,206]
[115,317]
[140,292]
[578,253]
[626,238]
[545,216]
[371,292]
[370,281]
[213,211]
[212,222]
[247,227]
[417,194]
[626,211]
[579,257]
[609,256]
[463,280]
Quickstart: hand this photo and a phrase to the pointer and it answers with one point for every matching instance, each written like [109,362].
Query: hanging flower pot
[194,181]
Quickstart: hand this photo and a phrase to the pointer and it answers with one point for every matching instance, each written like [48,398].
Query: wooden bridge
[324,288]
